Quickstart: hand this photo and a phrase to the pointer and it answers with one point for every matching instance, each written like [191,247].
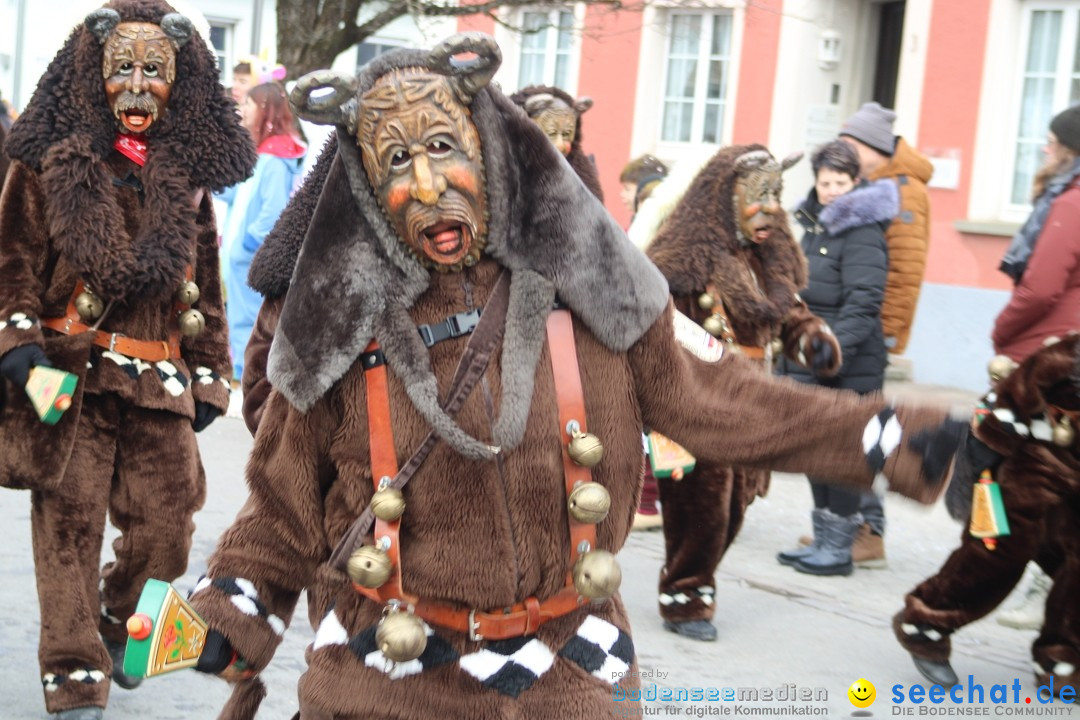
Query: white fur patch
[696,340]
[245,605]
[1064,669]
[204,582]
[331,632]
[890,436]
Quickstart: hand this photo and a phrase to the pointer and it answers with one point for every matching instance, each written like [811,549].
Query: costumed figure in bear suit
[559,116]
[1024,440]
[108,250]
[732,266]
[449,484]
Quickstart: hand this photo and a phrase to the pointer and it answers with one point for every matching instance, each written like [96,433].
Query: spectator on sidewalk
[885,156]
[844,244]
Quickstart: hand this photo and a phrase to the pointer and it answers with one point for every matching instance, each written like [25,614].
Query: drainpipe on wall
[20,45]
[256,25]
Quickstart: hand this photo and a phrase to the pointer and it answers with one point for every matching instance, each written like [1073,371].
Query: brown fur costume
[483,530]
[1040,487]
[583,164]
[696,247]
[129,448]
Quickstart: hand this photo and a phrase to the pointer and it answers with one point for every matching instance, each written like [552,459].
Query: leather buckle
[112,341]
[473,627]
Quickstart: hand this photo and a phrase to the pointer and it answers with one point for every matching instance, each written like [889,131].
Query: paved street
[777,627]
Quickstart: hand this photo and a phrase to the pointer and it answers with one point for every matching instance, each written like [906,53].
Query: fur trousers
[703,513]
[1041,495]
[140,467]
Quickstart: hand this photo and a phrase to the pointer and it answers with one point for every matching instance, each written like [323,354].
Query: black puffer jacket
[845,248]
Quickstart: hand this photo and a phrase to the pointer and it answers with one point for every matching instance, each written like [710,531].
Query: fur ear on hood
[545,227]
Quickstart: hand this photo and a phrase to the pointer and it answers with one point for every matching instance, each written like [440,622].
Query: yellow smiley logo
[862,693]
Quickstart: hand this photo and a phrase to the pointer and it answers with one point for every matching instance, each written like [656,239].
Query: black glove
[205,413]
[16,363]
[938,446]
[823,356]
[217,654]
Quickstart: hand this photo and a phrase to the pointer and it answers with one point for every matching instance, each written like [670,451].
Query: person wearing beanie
[639,178]
[885,156]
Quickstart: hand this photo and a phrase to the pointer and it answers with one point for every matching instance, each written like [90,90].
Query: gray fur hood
[871,203]
[354,281]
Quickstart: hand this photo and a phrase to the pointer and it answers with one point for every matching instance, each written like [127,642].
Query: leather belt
[752,351]
[515,621]
[145,350]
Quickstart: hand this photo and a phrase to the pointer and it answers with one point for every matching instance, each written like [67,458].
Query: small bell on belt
[714,325]
[706,301]
[597,575]
[585,449]
[187,293]
[191,323]
[1000,367]
[1064,433]
[89,306]
[368,567]
[388,504]
[589,503]
[401,637]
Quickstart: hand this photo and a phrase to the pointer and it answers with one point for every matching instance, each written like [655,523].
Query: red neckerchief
[132,147]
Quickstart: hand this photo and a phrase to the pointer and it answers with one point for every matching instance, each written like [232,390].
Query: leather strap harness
[523,618]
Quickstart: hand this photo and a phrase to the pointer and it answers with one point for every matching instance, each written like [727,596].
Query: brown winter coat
[1040,489]
[483,530]
[908,239]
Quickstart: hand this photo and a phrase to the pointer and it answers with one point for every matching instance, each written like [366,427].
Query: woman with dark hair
[257,203]
[844,244]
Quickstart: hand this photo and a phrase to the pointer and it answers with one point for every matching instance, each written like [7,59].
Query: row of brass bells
[401,637]
[368,567]
[589,503]
[585,449]
[597,575]
[89,306]
[388,504]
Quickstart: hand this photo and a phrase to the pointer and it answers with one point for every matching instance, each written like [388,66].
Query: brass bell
[589,503]
[714,325]
[706,301]
[401,637]
[89,306]
[368,567]
[776,347]
[597,575]
[585,449]
[1000,367]
[192,323]
[388,504]
[1064,433]
[187,293]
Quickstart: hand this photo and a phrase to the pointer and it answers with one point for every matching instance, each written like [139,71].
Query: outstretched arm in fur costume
[24,253]
[727,412]
[809,341]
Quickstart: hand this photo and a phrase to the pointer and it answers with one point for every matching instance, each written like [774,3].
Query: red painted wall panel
[757,71]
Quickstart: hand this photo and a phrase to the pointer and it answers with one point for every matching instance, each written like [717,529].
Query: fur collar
[545,227]
[875,203]
[697,246]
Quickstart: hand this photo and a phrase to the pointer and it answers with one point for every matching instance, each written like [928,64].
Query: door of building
[887,65]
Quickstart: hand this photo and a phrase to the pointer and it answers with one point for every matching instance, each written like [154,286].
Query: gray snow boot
[833,553]
[790,557]
[83,713]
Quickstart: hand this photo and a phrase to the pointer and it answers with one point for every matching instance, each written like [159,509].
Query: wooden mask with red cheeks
[421,153]
[756,198]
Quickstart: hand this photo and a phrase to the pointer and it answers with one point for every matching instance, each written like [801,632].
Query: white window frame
[700,102]
[510,40]
[1070,35]
[228,54]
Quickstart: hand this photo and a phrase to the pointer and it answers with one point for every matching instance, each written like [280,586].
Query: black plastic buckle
[452,327]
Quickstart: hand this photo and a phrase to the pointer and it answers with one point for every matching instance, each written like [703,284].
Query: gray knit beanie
[1066,125]
[872,124]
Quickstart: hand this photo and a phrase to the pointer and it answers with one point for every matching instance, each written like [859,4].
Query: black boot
[790,557]
[116,652]
[694,629]
[936,671]
[832,556]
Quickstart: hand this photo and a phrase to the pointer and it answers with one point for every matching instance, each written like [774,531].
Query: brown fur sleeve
[277,541]
[729,412]
[255,383]
[210,348]
[24,254]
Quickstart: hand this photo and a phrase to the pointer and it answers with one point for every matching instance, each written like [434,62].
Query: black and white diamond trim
[245,597]
[704,593]
[601,649]
[1039,428]
[174,381]
[1060,669]
[922,633]
[510,666]
[87,676]
[880,437]
[206,376]
[19,321]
